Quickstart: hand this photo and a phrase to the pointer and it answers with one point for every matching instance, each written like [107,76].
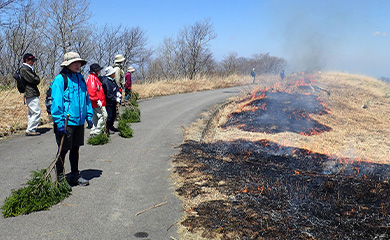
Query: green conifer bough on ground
[131,115]
[100,139]
[40,193]
[124,129]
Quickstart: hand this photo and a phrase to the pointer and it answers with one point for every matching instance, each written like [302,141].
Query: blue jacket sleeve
[57,96]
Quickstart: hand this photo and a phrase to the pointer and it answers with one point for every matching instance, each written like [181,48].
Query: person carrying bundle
[73,101]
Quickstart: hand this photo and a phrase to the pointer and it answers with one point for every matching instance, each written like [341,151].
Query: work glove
[61,130]
[99,103]
[89,124]
[118,100]
[118,94]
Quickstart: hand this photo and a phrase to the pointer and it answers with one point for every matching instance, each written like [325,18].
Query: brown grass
[13,111]
[357,132]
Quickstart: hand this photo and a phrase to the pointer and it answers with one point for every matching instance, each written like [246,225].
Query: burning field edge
[270,180]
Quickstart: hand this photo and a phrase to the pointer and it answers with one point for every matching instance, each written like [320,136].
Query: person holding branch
[72,100]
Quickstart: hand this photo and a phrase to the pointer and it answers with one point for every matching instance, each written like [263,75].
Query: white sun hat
[71,57]
[119,58]
[109,71]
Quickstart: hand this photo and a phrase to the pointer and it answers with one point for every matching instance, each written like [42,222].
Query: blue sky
[346,35]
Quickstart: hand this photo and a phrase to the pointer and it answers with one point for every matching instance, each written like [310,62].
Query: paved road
[126,176]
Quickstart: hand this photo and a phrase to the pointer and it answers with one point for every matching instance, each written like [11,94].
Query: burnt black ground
[278,192]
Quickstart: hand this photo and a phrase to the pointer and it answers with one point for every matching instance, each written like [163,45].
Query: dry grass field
[358,116]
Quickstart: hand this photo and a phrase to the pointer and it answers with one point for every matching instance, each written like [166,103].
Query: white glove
[118,94]
[99,103]
[118,100]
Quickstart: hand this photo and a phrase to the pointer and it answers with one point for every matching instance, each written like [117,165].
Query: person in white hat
[128,82]
[70,99]
[113,97]
[119,73]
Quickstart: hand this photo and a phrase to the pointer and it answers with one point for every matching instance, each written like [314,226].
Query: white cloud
[377,33]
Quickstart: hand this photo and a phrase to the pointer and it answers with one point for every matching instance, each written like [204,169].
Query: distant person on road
[282,74]
[253,74]
[27,73]
[113,97]
[98,99]
[73,100]
[128,83]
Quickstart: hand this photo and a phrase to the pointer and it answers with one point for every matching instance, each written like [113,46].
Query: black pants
[111,115]
[72,142]
[73,159]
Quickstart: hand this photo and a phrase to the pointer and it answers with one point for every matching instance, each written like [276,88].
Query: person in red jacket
[98,100]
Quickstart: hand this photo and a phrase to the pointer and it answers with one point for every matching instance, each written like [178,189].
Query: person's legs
[34,114]
[111,112]
[94,122]
[74,159]
[78,140]
[100,121]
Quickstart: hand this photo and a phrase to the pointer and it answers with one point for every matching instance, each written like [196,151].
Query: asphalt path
[126,176]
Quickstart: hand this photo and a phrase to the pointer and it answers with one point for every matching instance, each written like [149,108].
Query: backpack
[20,82]
[49,100]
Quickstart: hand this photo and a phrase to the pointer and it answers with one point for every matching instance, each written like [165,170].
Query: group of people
[76,101]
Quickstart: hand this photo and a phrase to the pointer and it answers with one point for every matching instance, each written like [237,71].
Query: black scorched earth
[280,192]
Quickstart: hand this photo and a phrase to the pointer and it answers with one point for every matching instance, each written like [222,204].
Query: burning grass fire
[273,191]
[277,111]
[278,192]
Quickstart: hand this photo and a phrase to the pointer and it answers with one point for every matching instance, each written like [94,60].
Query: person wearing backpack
[73,101]
[31,94]
[98,99]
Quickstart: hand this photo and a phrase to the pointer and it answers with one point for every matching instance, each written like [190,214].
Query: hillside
[302,158]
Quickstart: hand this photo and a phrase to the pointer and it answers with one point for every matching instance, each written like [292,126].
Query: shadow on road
[91,173]
[43,130]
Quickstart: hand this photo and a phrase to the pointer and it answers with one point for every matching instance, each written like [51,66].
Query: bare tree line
[50,28]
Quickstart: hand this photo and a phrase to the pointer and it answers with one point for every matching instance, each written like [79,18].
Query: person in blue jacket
[113,97]
[73,100]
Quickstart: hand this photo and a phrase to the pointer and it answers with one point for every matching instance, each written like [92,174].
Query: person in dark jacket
[282,74]
[31,94]
[73,101]
[253,74]
[113,97]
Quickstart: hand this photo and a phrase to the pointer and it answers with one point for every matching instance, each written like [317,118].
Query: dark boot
[77,179]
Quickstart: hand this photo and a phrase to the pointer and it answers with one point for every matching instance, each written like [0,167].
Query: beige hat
[71,57]
[131,69]
[119,58]
[109,71]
